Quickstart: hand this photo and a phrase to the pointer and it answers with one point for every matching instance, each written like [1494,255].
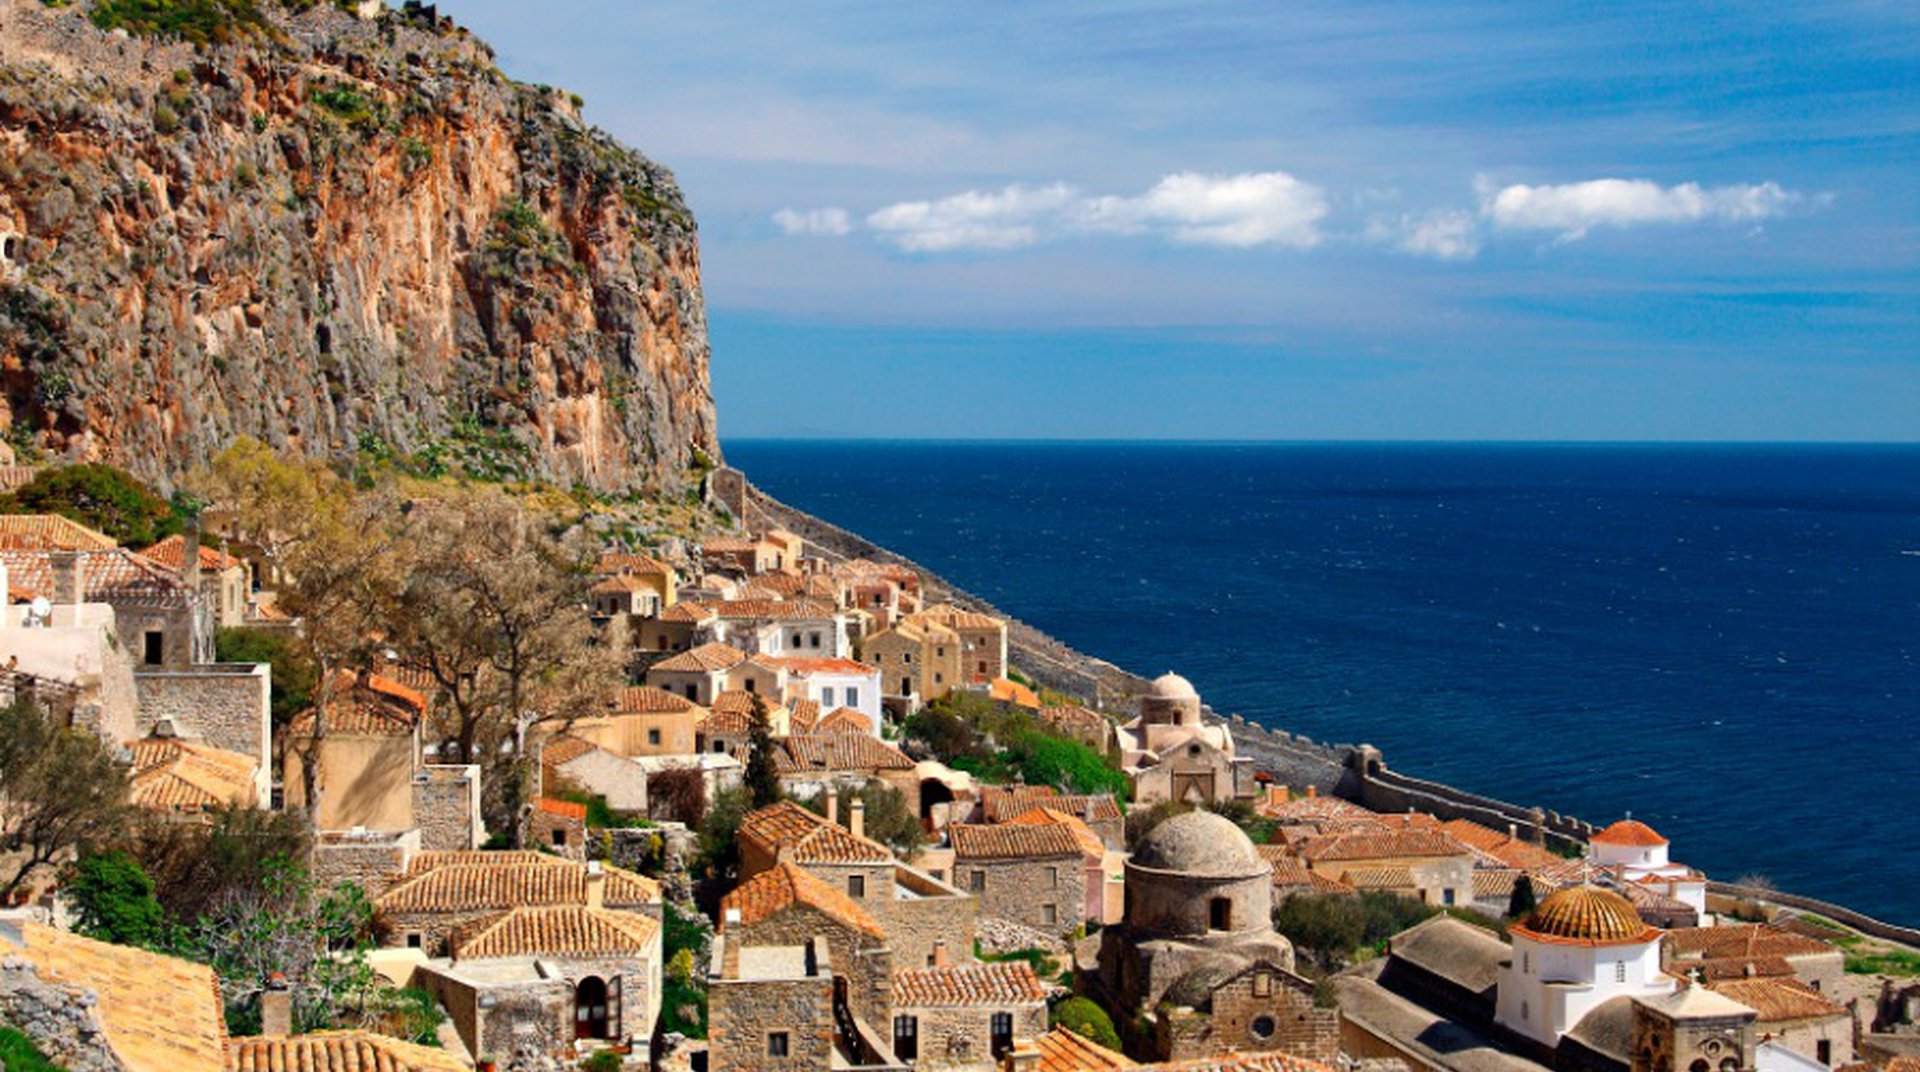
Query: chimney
[857,817]
[833,805]
[939,953]
[729,955]
[596,885]
[1312,791]
[1513,832]
[1023,1058]
[69,577]
[276,1006]
[190,554]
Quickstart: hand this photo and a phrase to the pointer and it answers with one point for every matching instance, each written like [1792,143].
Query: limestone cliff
[333,233]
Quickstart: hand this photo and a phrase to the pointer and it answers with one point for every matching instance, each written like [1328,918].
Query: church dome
[1586,915]
[1172,686]
[1199,843]
[1629,832]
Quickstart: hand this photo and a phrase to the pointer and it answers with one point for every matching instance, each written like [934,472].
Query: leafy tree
[1086,1019]
[720,833]
[113,900]
[887,818]
[602,1061]
[293,678]
[1043,759]
[678,794]
[63,790]
[19,1053]
[100,497]
[946,734]
[197,867]
[1332,927]
[762,780]
[1521,902]
[686,943]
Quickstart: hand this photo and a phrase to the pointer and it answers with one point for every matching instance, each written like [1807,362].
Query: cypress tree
[1522,901]
[763,783]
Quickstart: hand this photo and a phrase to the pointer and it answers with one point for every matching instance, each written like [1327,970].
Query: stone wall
[1252,1016]
[224,704]
[446,806]
[59,1019]
[373,861]
[939,913]
[742,1013]
[864,960]
[961,1037]
[563,835]
[1387,790]
[1023,890]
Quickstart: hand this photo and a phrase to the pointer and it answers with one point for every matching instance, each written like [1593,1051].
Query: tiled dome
[1629,832]
[1587,915]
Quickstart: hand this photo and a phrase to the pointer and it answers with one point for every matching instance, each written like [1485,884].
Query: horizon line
[1329,442]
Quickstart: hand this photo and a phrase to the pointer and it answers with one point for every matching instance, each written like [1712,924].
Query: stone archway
[590,1008]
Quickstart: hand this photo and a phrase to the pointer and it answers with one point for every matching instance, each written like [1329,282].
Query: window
[1527,1014]
[906,686]
[983,666]
[752,685]
[653,736]
[693,692]
[796,638]
[1049,914]
[856,885]
[1220,914]
[978,883]
[1262,1027]
[413,940]
[853,696]
[941,652]
[776,1044]
[1000,1033]
[826,699]
[1526,963]
[1619,971]
[906,658]
[1446,897]
[560,838]
[813,640]
[939,678]
[154,651]
[1262,985]
[1823,1052]
[1053,876]
[719,746]
[906,1037]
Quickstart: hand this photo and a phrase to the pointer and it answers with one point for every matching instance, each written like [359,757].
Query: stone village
[896,899]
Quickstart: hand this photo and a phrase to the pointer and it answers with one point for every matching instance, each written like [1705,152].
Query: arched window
[1000,1034]
[590,1008]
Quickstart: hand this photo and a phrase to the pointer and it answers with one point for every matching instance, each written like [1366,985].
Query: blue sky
[1343,219]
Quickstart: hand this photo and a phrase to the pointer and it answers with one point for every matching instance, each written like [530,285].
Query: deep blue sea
[1723,640]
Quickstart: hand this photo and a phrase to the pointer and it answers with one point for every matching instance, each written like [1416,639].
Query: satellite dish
[40,608]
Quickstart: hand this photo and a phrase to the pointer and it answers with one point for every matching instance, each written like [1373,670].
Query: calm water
[1722,640]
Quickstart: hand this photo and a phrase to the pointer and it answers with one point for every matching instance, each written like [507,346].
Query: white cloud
[1013,217]
[1444,234]
[1253,209]
[1574,208]
[813,221]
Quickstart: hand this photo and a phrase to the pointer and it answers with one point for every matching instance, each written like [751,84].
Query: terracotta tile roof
[1410,820]
[432,859]
[806,837]
[1495,883]
[174,775]
[803,716]
[1362,845]
[998,804]
[955,618]
[1737,967]
[1013,692]
[1291,873]
[160,1013]
[555,931]
[1240,1062]
[722,545]
[566,809]
[704,659]
[1006,841]
[1631,832]
[619,583]
[786,884]
[1779,998]
[1090,843]
[1313,809]
[648,700]
[14,476]
[1380,878]
[629,562]
[337,1051]
[725,722]
[1744,940]
[1000,983]
[116,576]
[807,752]
[372,706]
[844,720]
[690,612]
[1512,851]
[479,887]
[1061,1050]
[564,748]
[172,553]
[50,532]
[778,584]
[794,664]
[778,610]
[740,702]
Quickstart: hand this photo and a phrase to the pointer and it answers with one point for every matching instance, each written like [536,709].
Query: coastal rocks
[346,235]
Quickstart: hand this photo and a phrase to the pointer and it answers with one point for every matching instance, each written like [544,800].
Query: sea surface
[1722,640]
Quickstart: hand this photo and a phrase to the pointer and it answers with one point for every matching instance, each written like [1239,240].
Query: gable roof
[50,532]
[785,885]
[1000,983]
[806,837]
[1743,940]
[705,659]
[1090,843]
[1373,845]
[1008,841]
[430,859]
[369,705]
[159,1013]
[1292,872]
[1510,850]
[618,562]
[555,931]
[650,700]
[172,553]
[803,666]
[480,887]
[170,774]
[802,752]
[1061,1050]
[844,720]
[337,1051]
[115,575]
[1779,998]
[954,617]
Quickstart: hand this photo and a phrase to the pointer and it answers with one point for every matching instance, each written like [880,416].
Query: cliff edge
[332,231]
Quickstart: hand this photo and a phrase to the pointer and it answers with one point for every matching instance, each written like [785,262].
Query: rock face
[335,234]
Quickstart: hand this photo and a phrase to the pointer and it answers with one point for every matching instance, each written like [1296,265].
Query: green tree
[1043,759]
[293,676]
[1522,901]
[198,867]
[100,497]
[1086,1019]
[64,790]
[887,820]
[720,834]
[113,900]
[762,780]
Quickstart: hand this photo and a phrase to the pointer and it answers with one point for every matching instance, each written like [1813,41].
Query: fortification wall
[1385,790]
[1859,921]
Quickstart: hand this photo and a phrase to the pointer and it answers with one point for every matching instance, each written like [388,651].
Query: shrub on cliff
[100,497]
[201,22]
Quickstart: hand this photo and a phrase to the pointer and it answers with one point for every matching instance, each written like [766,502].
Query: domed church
[1172,754]
[1196,954]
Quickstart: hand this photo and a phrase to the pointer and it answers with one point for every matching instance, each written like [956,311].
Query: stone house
[558,826]
[699,673]
[642,720]
[1033,875]
[983,640]
[1255,1007]
[225,581]
[809,628]
[812,763]
[161,619]
[568,763]
[1099,811]
[783,1008]
[1105,879]
[362,759]
[1087,726]
[625,596]
[1730,951]
[741,555]
[446,891]
[651,586]
[1423,865]
[1507,849]
[1795,1016]
[786,905]
[534,980]
[673,629]
[918,663]
[965,1016]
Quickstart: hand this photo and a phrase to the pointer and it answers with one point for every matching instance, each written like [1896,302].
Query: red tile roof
[844,720]
[1631,832]
[1090,843]
[174,775]
[1365,845]
[629,562]
[998,984]
[1512,851]
[1007,841]
[785,885]
[794,664]
[1743,940]
[1061,1050]
[807,838]
[704,659]
[50,532]
[172,553]
[854,752]
[479,887]
[336,1051]
[159,1013]
[556,931]
[565,809]
[1779,998]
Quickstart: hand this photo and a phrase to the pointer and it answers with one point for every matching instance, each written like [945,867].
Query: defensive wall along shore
[1353,772]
